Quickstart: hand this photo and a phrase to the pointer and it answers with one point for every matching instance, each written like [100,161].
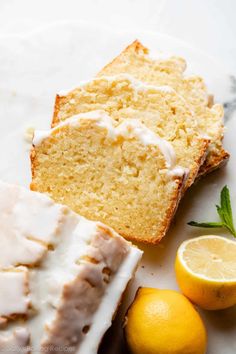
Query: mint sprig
[224,211]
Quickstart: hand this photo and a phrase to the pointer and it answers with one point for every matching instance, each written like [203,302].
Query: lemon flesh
[206,271]
[164,322]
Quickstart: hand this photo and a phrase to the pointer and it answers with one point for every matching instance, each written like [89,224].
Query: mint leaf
[224,211]
[220,213]
[225,201]
[206,224]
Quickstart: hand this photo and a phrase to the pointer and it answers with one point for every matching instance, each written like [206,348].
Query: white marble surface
[206,24]
[31,71]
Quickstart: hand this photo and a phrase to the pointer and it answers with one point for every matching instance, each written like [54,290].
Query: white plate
[35,66]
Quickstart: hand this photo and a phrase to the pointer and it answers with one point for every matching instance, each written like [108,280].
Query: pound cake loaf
[136,61]
[123,175]
[61,275]
[161,109]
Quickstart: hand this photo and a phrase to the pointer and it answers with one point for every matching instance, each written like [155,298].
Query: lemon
[164,322]
[206,271]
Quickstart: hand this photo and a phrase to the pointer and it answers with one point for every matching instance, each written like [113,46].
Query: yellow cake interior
[119,180]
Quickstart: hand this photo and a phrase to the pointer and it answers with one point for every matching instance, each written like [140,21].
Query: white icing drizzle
[62,267]
[129,128]
[179,171]
[158,55]
[29,223]
[132,127]
[43,285]
[40,135]
[38,216]
[28,135]
[14,298]
[137,85]
[102,322]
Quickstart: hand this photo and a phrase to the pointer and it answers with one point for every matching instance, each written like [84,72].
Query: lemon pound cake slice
[161,109]
[124,175]
[61,275]
[135,60]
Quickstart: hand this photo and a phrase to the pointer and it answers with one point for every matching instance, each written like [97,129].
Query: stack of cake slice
[136,61]
[125,146]
[160,108]
[61,275]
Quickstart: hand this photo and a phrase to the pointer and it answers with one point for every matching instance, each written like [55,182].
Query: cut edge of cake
[128,129]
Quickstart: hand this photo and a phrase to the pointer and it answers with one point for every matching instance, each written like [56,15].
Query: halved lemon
[206,271]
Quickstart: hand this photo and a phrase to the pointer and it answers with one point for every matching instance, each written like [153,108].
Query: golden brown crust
[215,162]
[210,100]
[33,161]
[199,162]
[32,165]
[57,103]
[135,46]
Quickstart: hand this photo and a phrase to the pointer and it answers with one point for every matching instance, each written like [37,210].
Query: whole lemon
[164,322]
